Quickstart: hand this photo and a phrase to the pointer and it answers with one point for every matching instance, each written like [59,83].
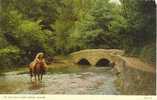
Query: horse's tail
[31,69]
[31,72]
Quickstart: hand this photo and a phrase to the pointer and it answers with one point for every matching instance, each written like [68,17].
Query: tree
[140,16]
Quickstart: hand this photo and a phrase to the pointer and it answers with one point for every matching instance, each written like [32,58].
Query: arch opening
[103,63]
[83,61]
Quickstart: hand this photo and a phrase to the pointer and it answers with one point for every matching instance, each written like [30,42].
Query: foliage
[9,56]
[148,54]
[63,26]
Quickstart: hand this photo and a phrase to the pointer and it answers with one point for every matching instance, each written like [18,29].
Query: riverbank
[136,77]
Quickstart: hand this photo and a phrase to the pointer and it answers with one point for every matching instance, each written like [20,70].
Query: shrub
[10,56]
[148,54]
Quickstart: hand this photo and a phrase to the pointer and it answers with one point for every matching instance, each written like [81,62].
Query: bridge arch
[83,61]
[103,62]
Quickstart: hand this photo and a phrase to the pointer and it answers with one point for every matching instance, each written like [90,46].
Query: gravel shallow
[86,82]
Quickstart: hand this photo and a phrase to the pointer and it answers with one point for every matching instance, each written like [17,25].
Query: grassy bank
[146,53]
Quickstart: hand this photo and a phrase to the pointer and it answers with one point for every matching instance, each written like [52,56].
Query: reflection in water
[87,80]
[35,85]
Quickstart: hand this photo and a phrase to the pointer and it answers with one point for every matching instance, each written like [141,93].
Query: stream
[89,80]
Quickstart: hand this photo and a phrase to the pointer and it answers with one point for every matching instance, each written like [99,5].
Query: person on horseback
[38,61]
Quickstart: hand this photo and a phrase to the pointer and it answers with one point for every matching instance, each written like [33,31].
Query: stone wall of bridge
[93,56]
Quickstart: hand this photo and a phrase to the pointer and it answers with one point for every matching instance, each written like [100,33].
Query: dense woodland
[59,27]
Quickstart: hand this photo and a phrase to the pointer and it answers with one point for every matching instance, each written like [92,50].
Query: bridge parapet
[111,51]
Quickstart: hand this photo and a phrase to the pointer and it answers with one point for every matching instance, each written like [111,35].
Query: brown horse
[37,68]
[38,71]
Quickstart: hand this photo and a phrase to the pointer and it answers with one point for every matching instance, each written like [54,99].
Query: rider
[40,58]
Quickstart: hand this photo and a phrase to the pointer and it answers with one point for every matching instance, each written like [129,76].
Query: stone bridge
[132,72]
[96,57]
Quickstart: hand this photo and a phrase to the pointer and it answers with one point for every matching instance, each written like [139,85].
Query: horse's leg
[35,77]
[42,73]
[31,78]
[31,74]
[41,76]
[38,77]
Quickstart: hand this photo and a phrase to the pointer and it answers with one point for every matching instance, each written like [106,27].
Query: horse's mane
[37,56]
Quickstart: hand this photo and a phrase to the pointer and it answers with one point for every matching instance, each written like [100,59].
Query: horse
[38,70]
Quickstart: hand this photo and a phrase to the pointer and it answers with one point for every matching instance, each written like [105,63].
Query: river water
[90,80]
